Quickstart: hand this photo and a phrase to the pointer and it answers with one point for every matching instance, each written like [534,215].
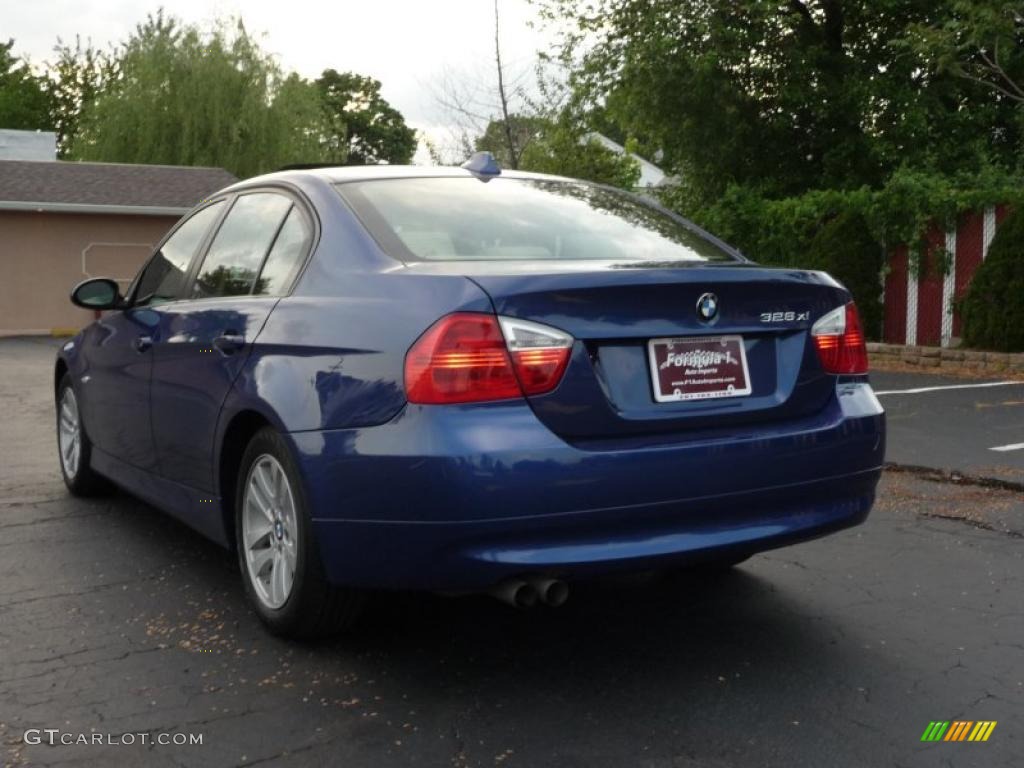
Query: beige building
[61,223]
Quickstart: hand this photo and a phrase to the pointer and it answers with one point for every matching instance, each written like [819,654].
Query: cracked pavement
[117,619]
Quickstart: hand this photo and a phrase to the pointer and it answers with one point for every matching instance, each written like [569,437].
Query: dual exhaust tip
[525,593]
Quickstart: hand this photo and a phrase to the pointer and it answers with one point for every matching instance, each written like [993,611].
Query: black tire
[314,607]
[83,480]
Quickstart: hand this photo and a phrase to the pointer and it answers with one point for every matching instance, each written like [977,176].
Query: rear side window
[286,255]
[164,274]
[465,219]
[236,254]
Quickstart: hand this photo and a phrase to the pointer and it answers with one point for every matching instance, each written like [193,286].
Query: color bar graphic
[958,730]
[935,730]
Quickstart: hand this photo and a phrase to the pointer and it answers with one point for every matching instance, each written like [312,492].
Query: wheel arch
[59,369]
[240,429]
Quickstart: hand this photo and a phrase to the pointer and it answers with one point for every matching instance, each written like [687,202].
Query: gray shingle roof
[108,184]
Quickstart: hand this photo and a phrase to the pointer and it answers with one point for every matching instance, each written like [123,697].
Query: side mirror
[97,293]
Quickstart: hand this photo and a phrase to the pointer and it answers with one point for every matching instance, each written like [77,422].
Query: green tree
[359,126]
[24,103]
[981,41]
[565,151]
[74,79]
[180,96]
[551,135]
[524,130]
[782,97]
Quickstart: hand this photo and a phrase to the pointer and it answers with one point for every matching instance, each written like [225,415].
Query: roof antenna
[482,164]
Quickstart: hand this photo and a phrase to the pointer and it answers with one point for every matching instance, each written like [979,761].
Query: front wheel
[281,568]
[74,446]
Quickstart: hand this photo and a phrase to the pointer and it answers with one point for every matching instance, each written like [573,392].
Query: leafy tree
[73,81]
[564,151]
[23,100]
[183,97]
[303,135]
[782,97]
[360,127]
[981,41]
[523,130]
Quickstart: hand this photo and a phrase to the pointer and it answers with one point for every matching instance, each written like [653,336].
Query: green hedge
[846,250]
[993,309]
[819,230]
[845,232]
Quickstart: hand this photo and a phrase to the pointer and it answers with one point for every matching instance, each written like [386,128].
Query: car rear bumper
[458,498]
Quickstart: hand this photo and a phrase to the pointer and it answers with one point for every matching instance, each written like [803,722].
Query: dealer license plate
[698,368]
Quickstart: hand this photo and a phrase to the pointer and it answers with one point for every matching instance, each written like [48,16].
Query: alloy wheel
[69,433]
[270,531]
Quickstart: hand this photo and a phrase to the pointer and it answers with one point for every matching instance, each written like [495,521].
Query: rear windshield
[465,219]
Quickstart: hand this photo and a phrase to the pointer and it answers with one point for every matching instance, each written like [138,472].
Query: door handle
[142,343]
[229,342]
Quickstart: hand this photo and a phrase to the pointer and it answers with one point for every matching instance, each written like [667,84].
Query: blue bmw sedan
[466,380]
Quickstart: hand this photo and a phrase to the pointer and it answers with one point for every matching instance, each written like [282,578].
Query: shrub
[845,248]
[993,309]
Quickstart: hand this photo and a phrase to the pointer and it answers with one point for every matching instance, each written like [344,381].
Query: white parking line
[919,390]
[1011,447]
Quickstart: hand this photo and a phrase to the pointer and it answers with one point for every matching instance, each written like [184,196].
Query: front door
[119,349]
[114,387]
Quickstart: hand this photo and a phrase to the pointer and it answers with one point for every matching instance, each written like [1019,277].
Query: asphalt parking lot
[970,427]
[117,620]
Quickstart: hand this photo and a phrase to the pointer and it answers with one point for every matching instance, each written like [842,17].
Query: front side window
[465,219]
[236,254]
[164,275]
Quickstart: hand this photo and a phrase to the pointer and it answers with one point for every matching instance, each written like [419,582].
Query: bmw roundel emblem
[707,306]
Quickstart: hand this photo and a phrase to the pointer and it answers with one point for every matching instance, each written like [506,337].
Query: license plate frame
[699,360]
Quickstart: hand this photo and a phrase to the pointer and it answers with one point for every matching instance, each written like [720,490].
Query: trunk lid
[613,313]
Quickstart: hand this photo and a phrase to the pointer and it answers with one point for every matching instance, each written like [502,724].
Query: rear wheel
[281,568]
[74,446]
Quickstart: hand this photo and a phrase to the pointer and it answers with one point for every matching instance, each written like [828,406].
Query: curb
[964,362]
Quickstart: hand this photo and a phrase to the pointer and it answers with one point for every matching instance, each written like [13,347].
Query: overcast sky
[406,44]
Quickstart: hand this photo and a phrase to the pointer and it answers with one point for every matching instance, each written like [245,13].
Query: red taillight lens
[540,353]
[460,359]
[540,370]
[472,357]
[839,339]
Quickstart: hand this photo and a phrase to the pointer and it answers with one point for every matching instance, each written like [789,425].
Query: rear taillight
[460,359]
[839,339]
[466,358]
[539,353]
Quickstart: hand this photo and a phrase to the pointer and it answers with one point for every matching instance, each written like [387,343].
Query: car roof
[342,174]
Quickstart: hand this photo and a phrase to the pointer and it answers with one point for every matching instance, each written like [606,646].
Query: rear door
[204,339]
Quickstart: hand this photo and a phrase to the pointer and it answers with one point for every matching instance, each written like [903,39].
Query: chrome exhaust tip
[515,592]
[551,592]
